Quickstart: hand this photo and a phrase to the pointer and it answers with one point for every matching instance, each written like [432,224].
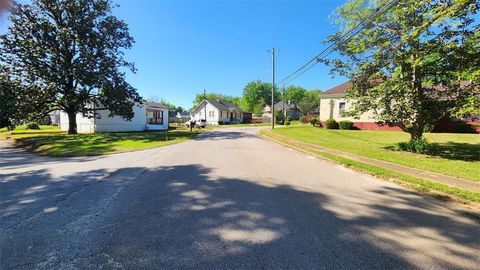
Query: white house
[216,112]
[148,116]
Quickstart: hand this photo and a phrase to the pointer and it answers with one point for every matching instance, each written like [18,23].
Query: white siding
[199,113]
[118,124]
[103,123]
[84,124]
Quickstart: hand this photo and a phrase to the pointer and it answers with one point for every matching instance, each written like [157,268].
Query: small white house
[216,111]
[147,116]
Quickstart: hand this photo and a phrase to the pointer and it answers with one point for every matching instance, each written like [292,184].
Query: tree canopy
[256,94]
[413,64]
[215,96]
[68,55]
[294,94]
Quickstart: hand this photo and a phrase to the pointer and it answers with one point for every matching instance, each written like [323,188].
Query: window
[156,118]
[341,108]
[211,113]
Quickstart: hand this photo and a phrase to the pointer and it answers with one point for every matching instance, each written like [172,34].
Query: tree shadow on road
[181,217]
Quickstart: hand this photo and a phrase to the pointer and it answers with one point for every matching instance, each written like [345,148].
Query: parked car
[196,123]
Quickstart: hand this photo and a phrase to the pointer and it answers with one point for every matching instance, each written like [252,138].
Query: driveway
[225,200]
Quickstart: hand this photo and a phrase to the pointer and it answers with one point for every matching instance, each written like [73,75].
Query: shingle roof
[155,105]
[221,105]
[281,104]
[339,89]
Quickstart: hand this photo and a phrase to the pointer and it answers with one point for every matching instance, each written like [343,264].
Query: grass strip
[415,183]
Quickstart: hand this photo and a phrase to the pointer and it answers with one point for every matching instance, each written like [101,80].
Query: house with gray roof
[217,112]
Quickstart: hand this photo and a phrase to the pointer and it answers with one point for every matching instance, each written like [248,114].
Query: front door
[231,116]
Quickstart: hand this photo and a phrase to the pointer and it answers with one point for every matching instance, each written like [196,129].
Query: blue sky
[183,47]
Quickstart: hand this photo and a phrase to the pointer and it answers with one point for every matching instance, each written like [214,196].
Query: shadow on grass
[452,151]
[182,217]
[457,151]
[100,143]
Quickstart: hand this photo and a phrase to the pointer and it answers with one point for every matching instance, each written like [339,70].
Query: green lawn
[44,129]
[99,143]
[456,154]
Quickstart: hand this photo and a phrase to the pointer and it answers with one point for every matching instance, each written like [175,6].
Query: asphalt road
[225,200]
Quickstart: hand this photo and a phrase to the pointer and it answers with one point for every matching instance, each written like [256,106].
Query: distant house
[179,117]
[54,117]
[216,112]
[291,110]
[147,116]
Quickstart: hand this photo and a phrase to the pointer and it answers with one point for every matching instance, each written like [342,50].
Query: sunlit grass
[99,143]
[455,154]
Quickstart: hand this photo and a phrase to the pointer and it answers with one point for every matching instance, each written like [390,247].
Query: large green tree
[310,101]
[294,94]
[8,102]
[413,64]
[68,55]
[256,94]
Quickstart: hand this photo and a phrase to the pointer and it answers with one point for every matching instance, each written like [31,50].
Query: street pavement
[227,199]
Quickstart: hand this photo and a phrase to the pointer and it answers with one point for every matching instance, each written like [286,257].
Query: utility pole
[273,87]
[205,107]
[283,103]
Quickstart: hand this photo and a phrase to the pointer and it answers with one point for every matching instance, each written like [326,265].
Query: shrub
[420,146]
[346,124]
[32,125]
[331,124]
[279,119]
[305,119]
[428,128]
[287,122]
[289,119]
[314,121]
[220,122]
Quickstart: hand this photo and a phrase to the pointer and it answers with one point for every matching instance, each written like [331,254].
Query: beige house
[333,104]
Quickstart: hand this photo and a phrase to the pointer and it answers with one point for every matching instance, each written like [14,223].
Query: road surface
[225,200]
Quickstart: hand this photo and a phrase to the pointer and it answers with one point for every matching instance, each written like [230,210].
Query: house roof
[342,88]
[339,89]
[156,105]
[221,105]
[281,104]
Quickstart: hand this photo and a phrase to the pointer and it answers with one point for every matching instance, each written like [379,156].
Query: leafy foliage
[8,103]
[331,124]
[279,117]
[346,124]
[200,97]
[414,64]
[314,121]
[255,93]
[470,109]
[294,94]
[32,125]
[68,55]
[310,101]
[420,146]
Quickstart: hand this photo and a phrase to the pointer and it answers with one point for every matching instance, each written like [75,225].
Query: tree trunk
[72,122]
[416,133]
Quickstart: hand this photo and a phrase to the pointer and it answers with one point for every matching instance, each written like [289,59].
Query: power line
[348,35]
